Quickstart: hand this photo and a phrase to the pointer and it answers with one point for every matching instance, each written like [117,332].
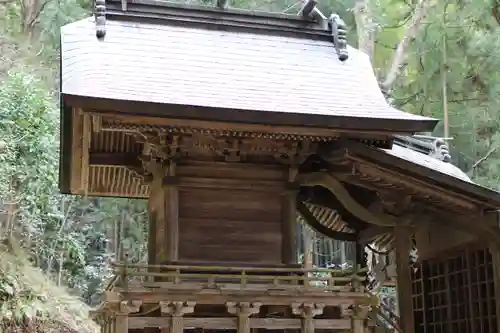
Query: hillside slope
[30,302]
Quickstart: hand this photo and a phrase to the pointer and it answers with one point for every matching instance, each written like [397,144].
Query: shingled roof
[226,66]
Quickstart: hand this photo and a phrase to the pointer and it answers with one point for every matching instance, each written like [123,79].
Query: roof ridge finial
[338,30]
[310,11]
[222,4]
[100,18]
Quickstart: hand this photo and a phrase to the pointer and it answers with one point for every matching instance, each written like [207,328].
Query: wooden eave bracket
[335,186]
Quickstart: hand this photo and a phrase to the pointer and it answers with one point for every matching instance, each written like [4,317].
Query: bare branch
[34,19]
[399,59]
[484,158]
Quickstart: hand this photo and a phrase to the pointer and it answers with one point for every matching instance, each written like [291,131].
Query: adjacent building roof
[224,65]
[430,170]
[426,161]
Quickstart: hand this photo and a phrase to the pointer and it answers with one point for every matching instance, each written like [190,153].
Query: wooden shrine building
[234,123]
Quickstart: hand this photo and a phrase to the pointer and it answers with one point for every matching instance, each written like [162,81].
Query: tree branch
[365,28]
[484,158]
[399,58]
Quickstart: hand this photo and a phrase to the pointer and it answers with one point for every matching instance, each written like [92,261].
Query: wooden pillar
[121,323]
[243,310]
[358,315]
[289,222]
[495,261]
[176,310]
[402,235]
[121,318]
[163,212]
[307,312]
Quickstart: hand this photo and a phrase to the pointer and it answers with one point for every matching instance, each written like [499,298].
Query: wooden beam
[76,148]
[230,323]
[479,225]
[368,234]
[218,125]
[335,186]
[402,235]
[313,222]
[271,297]
[86,137]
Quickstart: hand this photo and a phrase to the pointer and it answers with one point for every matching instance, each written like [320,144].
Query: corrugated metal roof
[225,68]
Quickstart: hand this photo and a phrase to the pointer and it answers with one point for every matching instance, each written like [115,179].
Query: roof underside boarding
[295,80]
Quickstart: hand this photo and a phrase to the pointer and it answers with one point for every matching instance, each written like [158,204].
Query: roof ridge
[309,22]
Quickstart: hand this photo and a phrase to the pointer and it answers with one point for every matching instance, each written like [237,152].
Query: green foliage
[29,299]
[66,236]
[69,238]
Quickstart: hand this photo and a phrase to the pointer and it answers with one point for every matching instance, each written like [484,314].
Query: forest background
[434,58]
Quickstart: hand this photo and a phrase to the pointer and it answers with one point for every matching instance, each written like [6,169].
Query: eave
[486,199]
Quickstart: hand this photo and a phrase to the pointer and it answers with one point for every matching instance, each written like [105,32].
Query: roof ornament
[309,10]
[338,30]
[441,151]
[428,145]
[100,18]
[222,4]
[336,26]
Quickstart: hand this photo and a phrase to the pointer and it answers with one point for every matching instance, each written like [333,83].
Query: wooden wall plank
[230,225]
[231,323]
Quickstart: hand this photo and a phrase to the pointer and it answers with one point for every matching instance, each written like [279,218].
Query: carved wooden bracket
[359,312]
[176,308]
[243,308]
[170,146]
[128,307]
[307,310]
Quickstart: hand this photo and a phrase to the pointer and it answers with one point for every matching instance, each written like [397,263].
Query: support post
[124,309]
[402,235]
[243,310]
[176,310]
[307,312]
[495,261]
[358,315]
[289,222]
[164,214]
